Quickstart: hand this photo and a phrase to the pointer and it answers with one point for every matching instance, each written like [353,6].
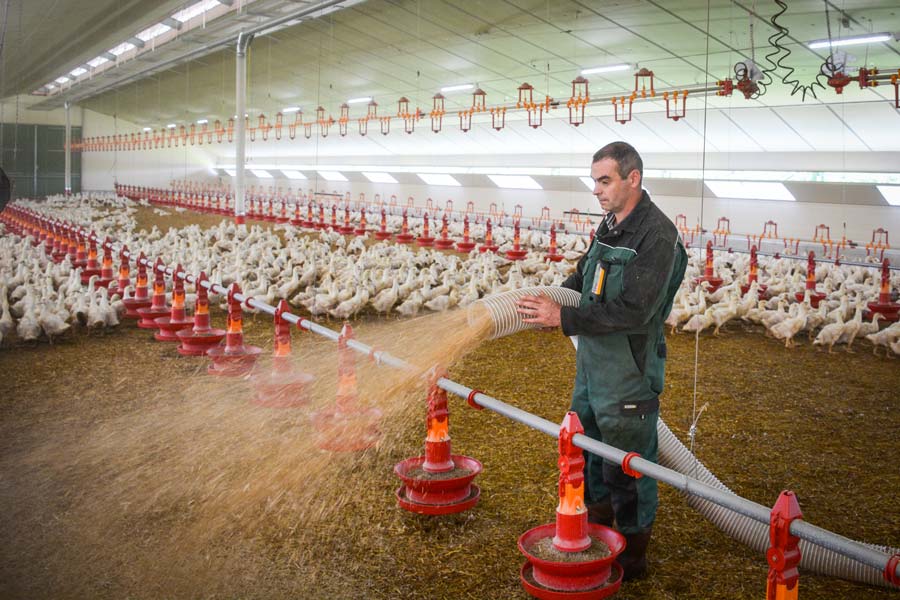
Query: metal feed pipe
[240,92]
[825,551]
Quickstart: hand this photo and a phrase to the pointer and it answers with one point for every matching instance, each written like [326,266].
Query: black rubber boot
[633,559]
[601,513]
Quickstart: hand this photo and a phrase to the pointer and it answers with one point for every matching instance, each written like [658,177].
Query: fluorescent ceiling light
[588,182]
[231,172]
[457,88]
[515,182]
[96,62]
[332,176]
[152,32]
[194,10]
[606,69]
[869,38]
[62,79]
[121,48]
[171,125]
[147,129]
[359,100]
[261,173]
[891,193]
[202,121]
[438,179]
[290,174]
[750,190]
[375,177]
[78,72]
[287,110]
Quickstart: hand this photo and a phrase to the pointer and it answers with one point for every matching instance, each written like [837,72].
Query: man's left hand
[539,310]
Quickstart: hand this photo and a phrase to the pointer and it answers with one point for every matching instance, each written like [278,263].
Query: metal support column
[68,148]
[243,44]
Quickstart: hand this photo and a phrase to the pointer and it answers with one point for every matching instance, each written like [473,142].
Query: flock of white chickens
[329,274]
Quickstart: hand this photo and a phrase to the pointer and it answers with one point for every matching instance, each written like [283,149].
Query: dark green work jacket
[621,345]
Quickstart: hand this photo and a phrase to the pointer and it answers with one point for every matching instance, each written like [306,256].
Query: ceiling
[393,48]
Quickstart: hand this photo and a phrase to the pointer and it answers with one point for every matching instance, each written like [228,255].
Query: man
[627,280]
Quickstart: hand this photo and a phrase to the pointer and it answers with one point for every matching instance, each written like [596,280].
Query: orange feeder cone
[553,255]
[346,228]
[177,320]
[158,307]
[383,233]
[708,273]
[234,359]
[107,277]
[889,310]
[488,245]
[347,426]
[466,245]
[92,267]
[124,274]
[443,242]
[438,483]
[425,240]
[362,229]
[141,298]
[517,253]
[814,296]
[571,558]
[754,275]
[284,386]
[405,237]
[197,340]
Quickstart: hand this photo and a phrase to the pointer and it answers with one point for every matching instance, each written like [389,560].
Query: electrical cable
[782,32]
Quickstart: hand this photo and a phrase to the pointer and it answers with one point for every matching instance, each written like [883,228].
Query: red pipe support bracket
[470,400]
[890,570]
[626,465]
[783,554]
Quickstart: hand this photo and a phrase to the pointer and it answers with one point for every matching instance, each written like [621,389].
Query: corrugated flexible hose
[674,455]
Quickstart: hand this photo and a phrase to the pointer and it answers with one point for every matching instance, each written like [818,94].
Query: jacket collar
[634,219]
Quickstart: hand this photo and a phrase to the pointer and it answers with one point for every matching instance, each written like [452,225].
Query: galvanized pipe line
[802,529]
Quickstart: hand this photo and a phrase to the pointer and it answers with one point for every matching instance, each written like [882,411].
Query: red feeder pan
[889,310]
[571,533]
[708,275]
[754,274]
[425,240]
[443,242]
[489,245]
[234,359]
[346,228]
[347,426]
[361,230]
[466,245]
[383,233]
[177,319]
[438,483]
[141,299]
[158,307]
[282,387]
[405,237]
[196,341]
[553,255]
[814,296]
[107,276]
[516,253]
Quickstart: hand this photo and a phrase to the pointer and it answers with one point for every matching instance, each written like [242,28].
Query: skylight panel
[750,190]
[588,182]
[379,177]
[438,179]
[78,71]
[261,173]
[291,174]
[891,193]
[194,10]
[121,48]
[515,182]
[96,62]
[152,32]
[332,175]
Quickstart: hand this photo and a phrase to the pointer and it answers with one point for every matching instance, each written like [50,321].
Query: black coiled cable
[782,32]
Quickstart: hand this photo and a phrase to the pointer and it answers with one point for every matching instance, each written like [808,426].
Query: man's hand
[539,310]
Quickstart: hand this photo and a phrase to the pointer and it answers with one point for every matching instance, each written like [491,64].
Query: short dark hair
[626,157]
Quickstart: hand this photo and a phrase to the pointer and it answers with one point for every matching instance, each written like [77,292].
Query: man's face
[610,189]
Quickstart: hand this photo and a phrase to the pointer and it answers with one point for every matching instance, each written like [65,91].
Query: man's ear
[634,179]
